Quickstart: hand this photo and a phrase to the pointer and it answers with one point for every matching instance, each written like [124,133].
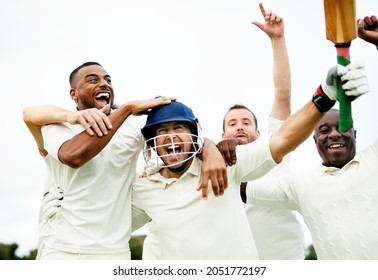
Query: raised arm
[368,29]
[300,125]
[273,26]
[275,29]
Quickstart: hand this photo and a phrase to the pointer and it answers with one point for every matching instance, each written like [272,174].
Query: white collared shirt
[339,206]
[188,227]
[95,214]
[278,233]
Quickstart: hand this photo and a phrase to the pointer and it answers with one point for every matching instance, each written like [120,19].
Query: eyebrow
[243,119]
[95,75]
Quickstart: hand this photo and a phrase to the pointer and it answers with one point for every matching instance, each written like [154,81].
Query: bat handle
[345,104]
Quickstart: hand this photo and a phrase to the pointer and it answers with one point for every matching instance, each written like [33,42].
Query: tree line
[9,251]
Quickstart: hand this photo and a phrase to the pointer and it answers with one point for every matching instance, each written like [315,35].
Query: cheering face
[173,143]
[335,148]
[92,88]
[239,123]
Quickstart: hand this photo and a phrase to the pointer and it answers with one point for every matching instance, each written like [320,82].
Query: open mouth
[102,98]
[173,149]
[336,146]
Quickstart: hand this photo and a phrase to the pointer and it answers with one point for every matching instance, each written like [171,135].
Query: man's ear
[73,94]
[257,133]
[316,140]
[198,124]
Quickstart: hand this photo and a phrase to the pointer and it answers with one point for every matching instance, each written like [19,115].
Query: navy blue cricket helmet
[172,112]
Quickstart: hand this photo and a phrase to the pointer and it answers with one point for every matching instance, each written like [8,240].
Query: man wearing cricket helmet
[174,150]
[186,226]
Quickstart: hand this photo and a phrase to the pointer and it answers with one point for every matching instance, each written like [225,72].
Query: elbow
[279,153]
[277,158]
[279,147]
[74,165]
[71,158]
[25,115]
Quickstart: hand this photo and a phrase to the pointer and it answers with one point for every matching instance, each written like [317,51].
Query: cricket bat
[341,29]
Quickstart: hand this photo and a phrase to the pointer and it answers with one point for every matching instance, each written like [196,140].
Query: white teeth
[102,94]
[336,146]
[173,147]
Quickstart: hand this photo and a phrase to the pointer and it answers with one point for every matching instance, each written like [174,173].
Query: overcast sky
[204,52]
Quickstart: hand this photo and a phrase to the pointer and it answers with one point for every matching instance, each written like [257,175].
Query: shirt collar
[334,170]
[154,175]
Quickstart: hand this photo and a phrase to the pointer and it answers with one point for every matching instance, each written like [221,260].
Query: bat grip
[345,104]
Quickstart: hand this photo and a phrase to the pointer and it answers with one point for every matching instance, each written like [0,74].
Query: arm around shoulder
[37,116]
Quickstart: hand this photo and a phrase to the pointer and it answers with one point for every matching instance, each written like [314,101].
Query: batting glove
[354,84]
[51,202]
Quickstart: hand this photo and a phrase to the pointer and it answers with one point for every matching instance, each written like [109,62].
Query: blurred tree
[32,255]
[136,247]
[311,253]
[8,252]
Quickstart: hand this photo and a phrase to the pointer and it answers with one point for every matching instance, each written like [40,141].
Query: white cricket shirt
[278,233]
[188,227]
[95,217]
[339,206]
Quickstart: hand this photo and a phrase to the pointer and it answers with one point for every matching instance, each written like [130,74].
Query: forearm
[83,147]
[213,169]
[294,131]
[208,147]
[43,115]
[282,79]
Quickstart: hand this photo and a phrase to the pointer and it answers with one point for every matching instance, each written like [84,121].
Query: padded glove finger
[330,85]
[353,74]
[357,91]
[51,202]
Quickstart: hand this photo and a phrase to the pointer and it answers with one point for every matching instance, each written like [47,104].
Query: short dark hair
[74,72]
[236,107]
